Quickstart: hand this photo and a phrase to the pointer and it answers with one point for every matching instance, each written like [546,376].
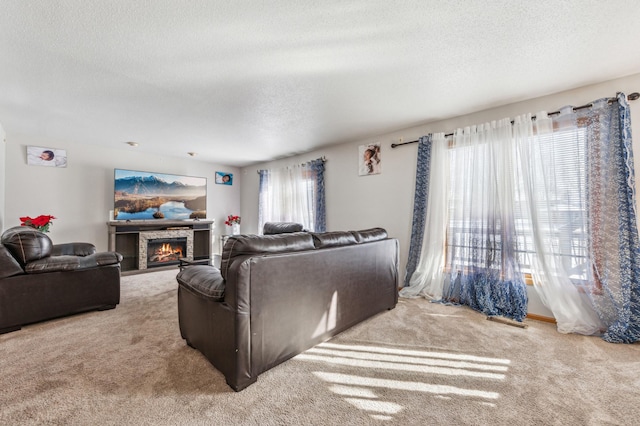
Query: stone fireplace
[163,248]
[165,251]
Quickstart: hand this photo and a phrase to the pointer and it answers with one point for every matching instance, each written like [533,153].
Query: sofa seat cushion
[368,235]
[333,239]
[204,280]
[72,263]
[26,244]
[9,266]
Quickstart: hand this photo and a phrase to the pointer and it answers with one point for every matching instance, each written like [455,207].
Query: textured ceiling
[240,82]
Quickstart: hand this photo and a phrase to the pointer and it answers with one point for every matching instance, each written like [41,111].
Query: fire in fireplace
[165,251]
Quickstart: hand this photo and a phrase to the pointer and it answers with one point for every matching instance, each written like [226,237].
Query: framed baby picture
[49,157]
[369,159]
[224,178]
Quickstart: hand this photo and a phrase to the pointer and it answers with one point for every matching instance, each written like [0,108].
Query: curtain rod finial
[400,140]
[633,96]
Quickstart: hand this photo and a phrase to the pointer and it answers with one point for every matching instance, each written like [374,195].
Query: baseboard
[541,318]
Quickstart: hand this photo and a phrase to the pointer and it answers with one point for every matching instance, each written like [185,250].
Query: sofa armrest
[73,249]
[9,266]
[204,280]
[73,263]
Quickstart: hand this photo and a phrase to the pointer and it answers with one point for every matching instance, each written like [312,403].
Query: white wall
[2,176]
[386,200]
[80,196]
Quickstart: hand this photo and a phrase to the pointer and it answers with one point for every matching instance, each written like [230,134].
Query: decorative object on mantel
[41,223]
[233,222]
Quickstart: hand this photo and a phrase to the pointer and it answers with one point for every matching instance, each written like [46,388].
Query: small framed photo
[369,160]
[49,157]
[223,178]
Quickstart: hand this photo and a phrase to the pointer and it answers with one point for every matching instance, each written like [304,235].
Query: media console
[132,240]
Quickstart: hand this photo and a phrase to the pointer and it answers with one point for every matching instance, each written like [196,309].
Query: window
[476,241]
[293,194]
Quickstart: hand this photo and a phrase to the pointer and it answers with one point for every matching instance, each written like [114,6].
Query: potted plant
[233,222]
[41,223]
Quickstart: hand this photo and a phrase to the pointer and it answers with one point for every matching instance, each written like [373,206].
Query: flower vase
[235,229]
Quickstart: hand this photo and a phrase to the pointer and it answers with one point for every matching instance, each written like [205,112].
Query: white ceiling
[241,81]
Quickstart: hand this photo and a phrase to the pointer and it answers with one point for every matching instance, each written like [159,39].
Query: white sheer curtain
[507,199]
[551,199]
[287,195]
[482,242]
[555,217]
[469,248]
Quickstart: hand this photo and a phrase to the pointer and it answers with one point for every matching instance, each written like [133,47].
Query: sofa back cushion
[333,239]
[271,228]
[26,244]
[9,266]
[239,246]
[368,235]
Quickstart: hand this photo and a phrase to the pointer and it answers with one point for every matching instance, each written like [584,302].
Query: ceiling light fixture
[131,143]
[193,154]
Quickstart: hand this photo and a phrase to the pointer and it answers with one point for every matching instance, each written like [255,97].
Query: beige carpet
[419,364]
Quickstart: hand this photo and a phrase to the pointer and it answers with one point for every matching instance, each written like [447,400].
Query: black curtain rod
[631,97]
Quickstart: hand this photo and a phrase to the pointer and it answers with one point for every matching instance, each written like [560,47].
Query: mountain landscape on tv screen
[153,185]
[152,197]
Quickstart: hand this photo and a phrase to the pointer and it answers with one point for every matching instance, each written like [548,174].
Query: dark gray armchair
[40,280]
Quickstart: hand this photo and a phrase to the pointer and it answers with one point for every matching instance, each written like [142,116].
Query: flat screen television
[146,195]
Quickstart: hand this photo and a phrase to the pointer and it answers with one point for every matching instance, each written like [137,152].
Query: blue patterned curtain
[426,265]
[421,195]
[317,170]
[615,249]
[263,193]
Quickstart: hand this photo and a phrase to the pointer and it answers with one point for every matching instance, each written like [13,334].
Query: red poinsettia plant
[41,223]
[232,220]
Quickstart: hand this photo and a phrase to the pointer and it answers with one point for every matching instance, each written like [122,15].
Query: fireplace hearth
[165,251]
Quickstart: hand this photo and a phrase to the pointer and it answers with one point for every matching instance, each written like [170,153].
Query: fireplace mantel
[127,238]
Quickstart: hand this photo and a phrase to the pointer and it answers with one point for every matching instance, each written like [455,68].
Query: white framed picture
[48,157]
[369,159]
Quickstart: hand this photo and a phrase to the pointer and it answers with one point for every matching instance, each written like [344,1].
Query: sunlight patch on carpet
[375,405]
[352,391]
[350,379]
[362,391]
[372,356]
[416,353]
[369,364]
